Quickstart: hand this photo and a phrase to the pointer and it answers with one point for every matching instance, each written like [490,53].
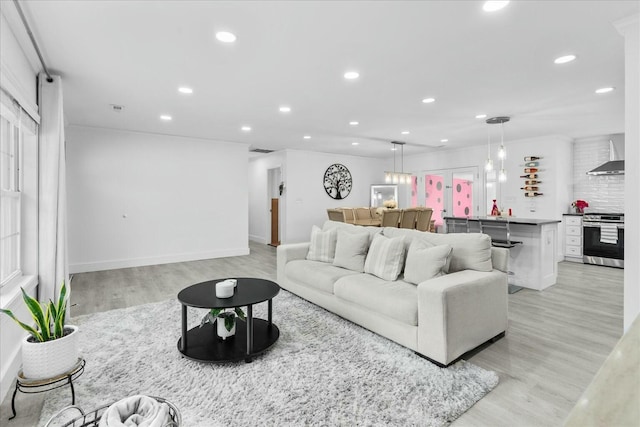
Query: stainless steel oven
[603,239]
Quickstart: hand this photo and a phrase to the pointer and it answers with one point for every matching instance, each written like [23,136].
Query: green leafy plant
[49,318]
[222,313]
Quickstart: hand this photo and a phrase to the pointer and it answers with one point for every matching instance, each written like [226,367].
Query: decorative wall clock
[337,181]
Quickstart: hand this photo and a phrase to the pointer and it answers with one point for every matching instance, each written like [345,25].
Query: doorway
[275,192]
[449,192]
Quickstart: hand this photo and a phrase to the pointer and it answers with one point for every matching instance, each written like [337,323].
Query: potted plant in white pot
[51,348]
[226,320]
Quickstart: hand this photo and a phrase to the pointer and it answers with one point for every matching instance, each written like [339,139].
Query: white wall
[556,174]
[305,202]
[140,199]
[630,29]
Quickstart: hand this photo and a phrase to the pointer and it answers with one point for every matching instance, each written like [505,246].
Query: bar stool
[457,225]
[500,234]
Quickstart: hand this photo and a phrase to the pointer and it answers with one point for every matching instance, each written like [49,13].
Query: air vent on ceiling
[261,150]
[116,108]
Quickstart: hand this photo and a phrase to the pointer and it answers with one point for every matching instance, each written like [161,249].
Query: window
[18,198]
[10,196]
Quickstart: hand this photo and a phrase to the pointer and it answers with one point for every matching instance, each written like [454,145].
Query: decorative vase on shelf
[494,210]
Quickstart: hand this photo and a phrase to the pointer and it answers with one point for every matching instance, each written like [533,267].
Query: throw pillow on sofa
[323,245]
[426,261]
[386,257]
[351,249]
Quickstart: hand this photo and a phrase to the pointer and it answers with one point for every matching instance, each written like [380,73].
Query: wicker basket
[92,419]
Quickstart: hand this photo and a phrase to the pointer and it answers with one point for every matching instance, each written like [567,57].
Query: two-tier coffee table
[252,337]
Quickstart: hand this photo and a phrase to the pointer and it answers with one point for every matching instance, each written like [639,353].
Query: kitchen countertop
[509,219]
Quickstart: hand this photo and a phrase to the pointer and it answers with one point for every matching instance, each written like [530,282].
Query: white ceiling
[137,53]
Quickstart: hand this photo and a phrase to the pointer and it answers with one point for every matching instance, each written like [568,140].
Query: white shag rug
[323,370]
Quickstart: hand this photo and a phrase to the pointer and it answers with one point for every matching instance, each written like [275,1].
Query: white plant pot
[222,331]
[44,360]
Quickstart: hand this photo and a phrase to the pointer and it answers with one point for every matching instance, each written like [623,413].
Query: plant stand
[29,386]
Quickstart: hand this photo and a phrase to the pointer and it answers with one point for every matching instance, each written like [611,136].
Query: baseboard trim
[141,262]
[258,239]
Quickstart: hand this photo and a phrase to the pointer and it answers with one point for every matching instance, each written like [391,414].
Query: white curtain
[52,201]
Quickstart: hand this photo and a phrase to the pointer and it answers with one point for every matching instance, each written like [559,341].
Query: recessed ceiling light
[444,140]
[564,59]
[246,128]
[307,137]
[605,90]
[225,37]
[481,116]
[185,89]
[428,100]
[405,132]
[354,123]
[285,109]
[165,117]
[351,75]
[355,143]
[492,6]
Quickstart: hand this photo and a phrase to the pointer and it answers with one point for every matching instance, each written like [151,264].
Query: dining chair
[423,222]
[349,216]
[335,215]
[408,218]
[390,218]
[362,213]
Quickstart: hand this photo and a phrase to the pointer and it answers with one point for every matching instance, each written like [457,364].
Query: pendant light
[397,177]
[502,152]
[488,166]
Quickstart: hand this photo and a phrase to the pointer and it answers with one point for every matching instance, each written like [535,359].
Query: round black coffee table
[252,337]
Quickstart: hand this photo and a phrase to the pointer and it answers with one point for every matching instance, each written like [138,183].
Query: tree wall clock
[337,181]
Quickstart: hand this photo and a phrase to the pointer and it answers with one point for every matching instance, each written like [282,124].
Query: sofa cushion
[425,261]
[315,274]
[323,245]
[351,249]
[335,225]
[470,251]
[385,257]
[395,299]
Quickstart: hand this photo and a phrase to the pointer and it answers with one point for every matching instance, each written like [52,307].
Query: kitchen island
[533,249]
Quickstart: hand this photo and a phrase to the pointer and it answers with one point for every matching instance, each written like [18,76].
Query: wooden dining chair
[349,216]
[390,218]
[335,215]
[362,213]
[423,222]
[408,218]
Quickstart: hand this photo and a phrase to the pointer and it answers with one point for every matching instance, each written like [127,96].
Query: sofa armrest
[289,252]
[500,259]
[459,311]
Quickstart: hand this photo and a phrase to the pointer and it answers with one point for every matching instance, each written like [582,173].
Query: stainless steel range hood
[614,166]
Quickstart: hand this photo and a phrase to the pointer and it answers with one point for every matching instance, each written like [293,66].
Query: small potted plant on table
[51,348]
[226,320]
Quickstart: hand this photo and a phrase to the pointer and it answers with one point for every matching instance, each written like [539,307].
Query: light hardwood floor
[556,341]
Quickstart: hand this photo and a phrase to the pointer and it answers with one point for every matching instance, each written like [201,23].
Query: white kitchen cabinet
[573,238]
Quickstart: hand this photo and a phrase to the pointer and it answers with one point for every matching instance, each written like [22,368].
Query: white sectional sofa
[450,295]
